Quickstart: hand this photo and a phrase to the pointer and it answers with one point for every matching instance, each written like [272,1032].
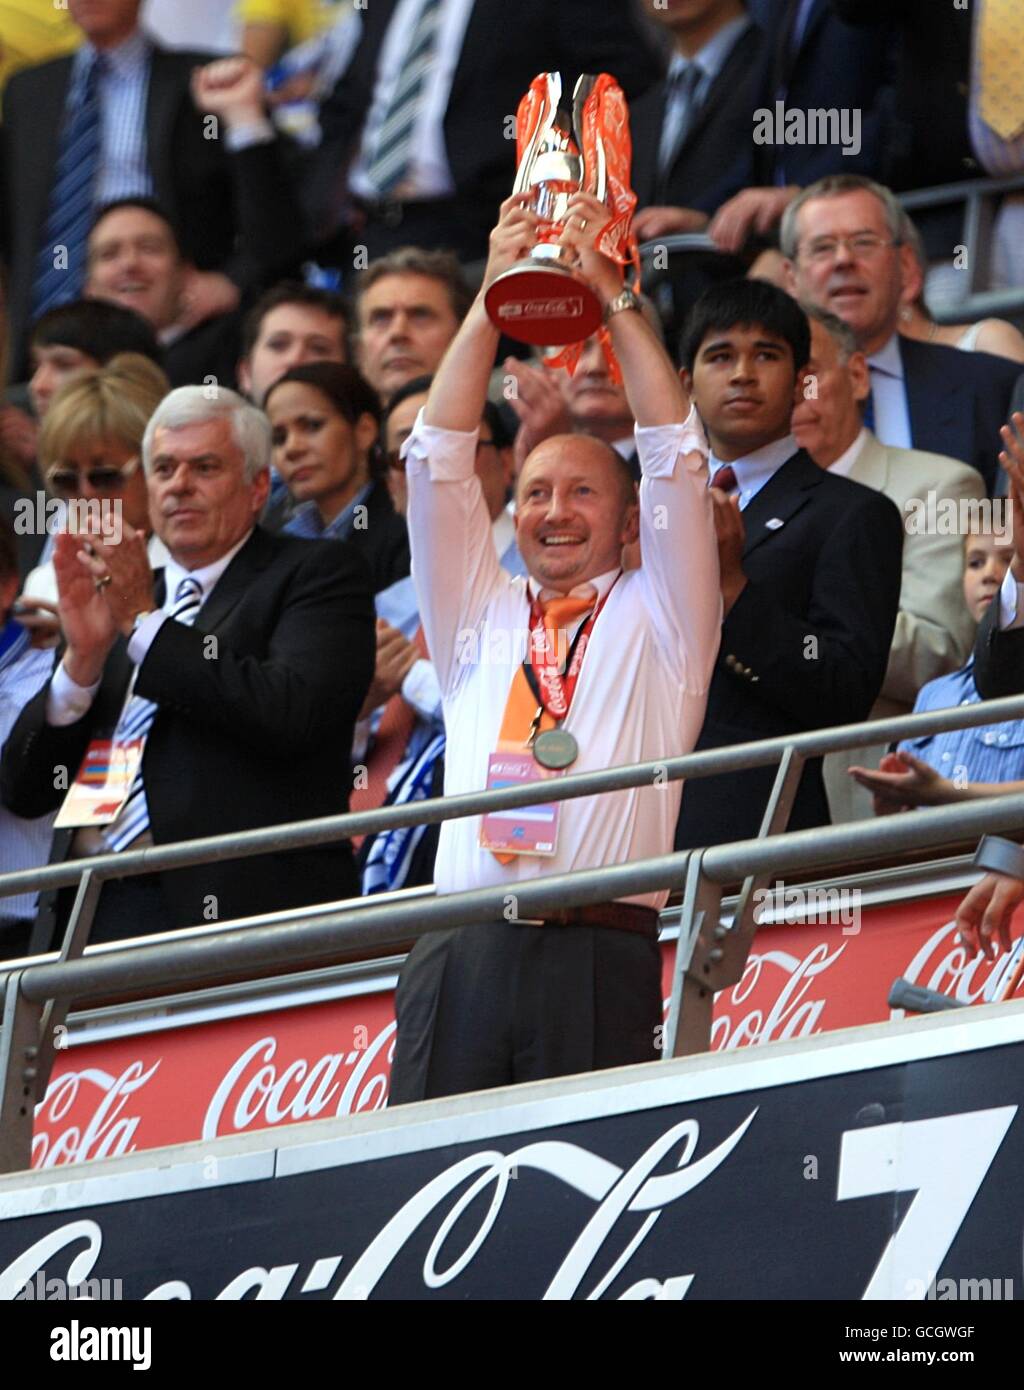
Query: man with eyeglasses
[215,696]
[842,238]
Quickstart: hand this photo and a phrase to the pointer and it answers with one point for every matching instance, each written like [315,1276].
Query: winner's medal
[555,749]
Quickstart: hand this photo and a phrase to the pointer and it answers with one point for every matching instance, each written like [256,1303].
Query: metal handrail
[739,757]
[943,194]
[288,947]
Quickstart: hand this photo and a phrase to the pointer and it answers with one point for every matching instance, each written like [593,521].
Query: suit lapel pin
[774,523]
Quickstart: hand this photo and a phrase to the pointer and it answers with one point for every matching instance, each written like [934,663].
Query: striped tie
[60,261]
[136,721]
[392,159]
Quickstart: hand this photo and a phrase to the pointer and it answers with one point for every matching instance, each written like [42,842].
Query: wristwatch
[625,299]
[1000,856]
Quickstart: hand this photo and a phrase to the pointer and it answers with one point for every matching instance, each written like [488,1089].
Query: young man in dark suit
[241,666]
[810,563]
[843,237]
[124,118]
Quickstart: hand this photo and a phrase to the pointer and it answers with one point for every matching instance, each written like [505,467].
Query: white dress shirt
[68,701]
[430,175]
[889,396]
[844,463]
[643,686]
[754,470]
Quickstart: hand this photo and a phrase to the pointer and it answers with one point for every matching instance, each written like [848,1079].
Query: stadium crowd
[266,466]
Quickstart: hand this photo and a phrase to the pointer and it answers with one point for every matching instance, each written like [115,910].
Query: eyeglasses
[393,457]
[64,481]
[863,247]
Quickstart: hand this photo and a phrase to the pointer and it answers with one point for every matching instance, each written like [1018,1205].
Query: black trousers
[505,1002]
[127,907]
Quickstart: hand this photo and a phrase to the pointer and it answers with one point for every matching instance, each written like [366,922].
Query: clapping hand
[902,781]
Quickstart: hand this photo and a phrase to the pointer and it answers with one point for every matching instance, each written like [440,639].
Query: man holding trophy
[579,666]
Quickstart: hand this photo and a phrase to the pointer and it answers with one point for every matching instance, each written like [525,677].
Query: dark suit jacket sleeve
[35,756]
[828,668]
[316,673]
[998,657]
[269,223]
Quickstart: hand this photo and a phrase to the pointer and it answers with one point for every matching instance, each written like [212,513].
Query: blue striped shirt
[306,520]
[123,89]
[991,753]
[24,844]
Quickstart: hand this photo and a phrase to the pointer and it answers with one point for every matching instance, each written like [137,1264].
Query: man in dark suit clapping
[236,673]
[810,562]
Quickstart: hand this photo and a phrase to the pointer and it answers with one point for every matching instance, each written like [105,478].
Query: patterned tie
[680,110]
[392,159]
[136,721]
[725,479]
[61,258]
[1001,67]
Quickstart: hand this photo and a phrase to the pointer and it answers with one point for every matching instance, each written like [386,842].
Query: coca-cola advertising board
[796,1171]
[264,1069]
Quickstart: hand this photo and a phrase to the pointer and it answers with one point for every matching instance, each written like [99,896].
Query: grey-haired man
[233,678]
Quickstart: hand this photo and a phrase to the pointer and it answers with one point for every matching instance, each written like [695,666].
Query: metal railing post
[55,1011]
[19,1050]
[688,1029]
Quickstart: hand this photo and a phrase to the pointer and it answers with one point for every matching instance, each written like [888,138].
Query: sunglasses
[65,481]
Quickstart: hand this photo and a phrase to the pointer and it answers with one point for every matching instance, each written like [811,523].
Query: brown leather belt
[621,916]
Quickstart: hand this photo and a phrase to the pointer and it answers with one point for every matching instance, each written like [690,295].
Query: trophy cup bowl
[545,299]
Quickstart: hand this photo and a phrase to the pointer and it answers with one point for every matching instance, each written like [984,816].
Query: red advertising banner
[280,1066]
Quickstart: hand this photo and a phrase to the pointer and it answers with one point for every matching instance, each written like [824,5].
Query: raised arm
[456,399]
[454,566]
[679,553]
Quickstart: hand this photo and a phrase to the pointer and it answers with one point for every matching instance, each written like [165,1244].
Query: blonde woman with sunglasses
[90,458]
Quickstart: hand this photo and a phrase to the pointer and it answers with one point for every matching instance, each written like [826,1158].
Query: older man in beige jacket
[936,497]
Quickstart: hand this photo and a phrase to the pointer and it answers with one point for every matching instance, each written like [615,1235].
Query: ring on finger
[583,224]
[103,581]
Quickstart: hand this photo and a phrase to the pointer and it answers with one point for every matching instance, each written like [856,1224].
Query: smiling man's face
[861,286]
[134,261]
[575,510]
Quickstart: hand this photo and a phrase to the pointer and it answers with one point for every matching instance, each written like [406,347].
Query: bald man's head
[576,508]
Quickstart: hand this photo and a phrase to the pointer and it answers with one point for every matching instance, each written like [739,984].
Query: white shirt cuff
[422,690]
[659,446]
[450,455]
[243,137]
[142,637]
[67,701]
[1011,602]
